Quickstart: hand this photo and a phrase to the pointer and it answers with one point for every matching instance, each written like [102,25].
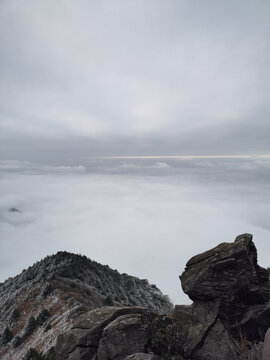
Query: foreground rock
[112,333]
[231,294]
[230,309]
[227,273]
[228,319]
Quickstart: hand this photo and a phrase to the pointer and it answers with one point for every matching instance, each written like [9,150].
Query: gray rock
[216,346]
[254,321]
[231,294]
[229,272]
[125,335]
[107,333]
[142,356]
[191,323]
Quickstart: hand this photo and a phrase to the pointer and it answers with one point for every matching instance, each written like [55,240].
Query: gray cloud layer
[126,75]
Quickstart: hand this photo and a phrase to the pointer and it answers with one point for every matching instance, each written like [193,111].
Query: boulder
[231,302]
[191,323]
[199,334]
[229,273]
[217,345]
[111,333]
[125,335]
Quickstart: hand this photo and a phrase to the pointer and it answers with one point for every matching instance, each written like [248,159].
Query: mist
[144,217]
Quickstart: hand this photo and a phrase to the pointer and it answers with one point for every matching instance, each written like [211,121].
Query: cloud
[128,166]
[134,70]
[148,226]
[247,137]
[161,165]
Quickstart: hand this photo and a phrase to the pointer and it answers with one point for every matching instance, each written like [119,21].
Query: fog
[145,217]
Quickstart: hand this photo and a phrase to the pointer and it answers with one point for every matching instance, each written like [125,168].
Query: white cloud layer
[145,222]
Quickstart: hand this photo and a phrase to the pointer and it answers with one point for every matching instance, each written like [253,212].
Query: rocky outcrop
[230,294]
[228,319]
[228,273]
[112,333]
[231,308]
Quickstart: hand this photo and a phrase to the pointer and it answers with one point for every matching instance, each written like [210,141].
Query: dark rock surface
[228,272]
[191,323]
[217,345]
[110,333]
[231,295]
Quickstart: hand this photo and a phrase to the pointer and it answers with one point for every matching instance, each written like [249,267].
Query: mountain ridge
[66,285]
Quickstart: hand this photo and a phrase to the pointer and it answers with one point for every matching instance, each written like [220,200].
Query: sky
[134,132]
[100,78]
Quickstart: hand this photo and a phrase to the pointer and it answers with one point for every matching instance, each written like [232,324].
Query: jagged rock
[199,334]
[229,272]
[253,320]
[83,338]
[108,333]
[191,323]
[216,345]
[231,294]
[125,335]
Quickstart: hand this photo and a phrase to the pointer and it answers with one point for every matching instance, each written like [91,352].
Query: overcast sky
[83,78]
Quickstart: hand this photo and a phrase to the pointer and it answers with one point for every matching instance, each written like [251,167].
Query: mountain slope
[40,303]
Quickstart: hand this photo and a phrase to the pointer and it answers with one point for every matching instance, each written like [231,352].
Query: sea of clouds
[145,217]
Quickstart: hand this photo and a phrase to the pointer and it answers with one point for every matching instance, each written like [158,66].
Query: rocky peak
[229,272]
[43,300]
[231,300]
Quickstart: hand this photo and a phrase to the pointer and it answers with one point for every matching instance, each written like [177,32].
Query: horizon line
[182,156]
